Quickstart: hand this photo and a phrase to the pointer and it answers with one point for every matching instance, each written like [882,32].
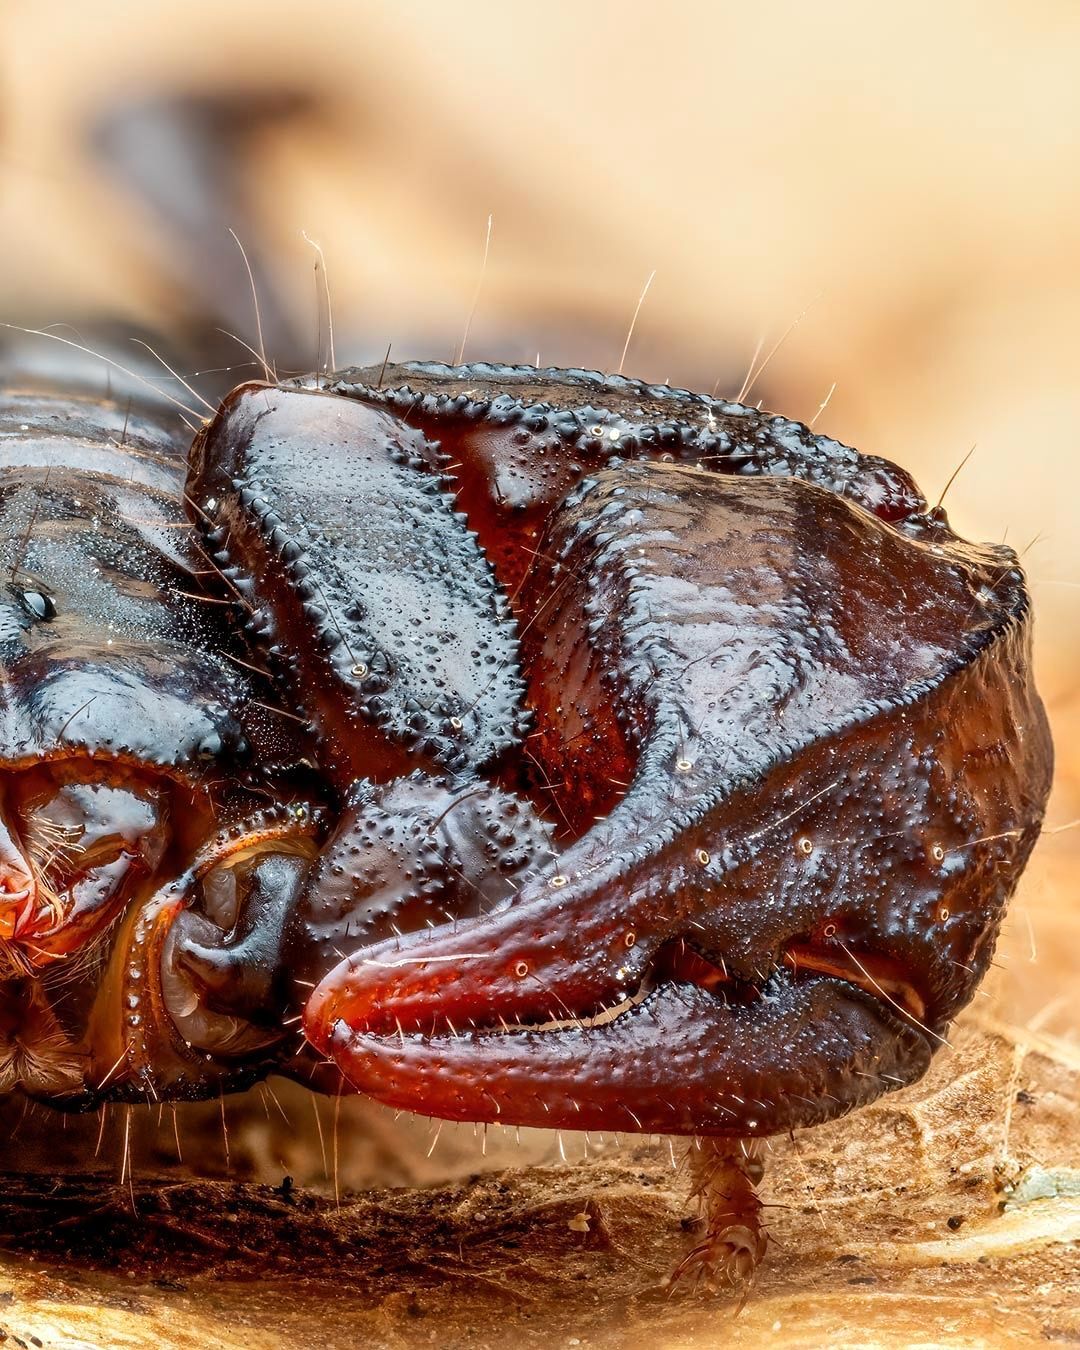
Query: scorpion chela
[508,744]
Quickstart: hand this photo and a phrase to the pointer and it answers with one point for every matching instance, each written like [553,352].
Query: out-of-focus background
[882,201]
[900,185]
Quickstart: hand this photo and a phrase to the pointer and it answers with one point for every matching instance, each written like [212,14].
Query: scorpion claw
[693,960]
[669,766]
[679,1061]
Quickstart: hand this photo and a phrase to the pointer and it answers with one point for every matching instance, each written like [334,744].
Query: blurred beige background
[907,182]
[897,186]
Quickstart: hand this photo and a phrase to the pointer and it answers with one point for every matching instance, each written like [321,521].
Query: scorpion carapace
[508,744]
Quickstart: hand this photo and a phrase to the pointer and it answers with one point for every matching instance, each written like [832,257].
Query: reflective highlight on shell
[511,745]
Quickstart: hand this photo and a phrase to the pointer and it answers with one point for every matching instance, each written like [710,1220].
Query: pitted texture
[743,693]
[371,597]
[642,761]
[745,648]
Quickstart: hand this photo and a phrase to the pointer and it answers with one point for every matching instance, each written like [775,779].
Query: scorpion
[510,745]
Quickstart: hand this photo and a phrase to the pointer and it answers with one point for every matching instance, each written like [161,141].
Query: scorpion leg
[789,721]
[724,1182]
[181,157]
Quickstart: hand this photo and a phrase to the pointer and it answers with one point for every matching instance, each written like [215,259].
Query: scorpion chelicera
[515,745]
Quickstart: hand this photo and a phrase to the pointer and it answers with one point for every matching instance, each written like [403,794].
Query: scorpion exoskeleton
[515,745]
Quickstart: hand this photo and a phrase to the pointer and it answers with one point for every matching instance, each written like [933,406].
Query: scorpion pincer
[510,745]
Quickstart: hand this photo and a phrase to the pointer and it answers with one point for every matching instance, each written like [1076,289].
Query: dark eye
[38,605]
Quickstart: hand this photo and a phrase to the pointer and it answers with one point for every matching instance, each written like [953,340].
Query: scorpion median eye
[38,605]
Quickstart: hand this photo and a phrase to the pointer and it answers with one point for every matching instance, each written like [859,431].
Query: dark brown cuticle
[525,745]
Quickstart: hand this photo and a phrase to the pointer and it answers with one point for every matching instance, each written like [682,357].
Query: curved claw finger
[681,1061]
